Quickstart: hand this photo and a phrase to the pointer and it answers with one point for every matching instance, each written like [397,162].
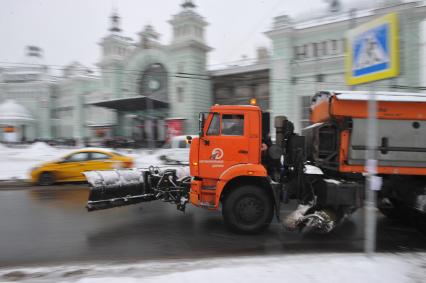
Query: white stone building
[148,83]
[70,111]
[308,55]
[27,89]
[145,87]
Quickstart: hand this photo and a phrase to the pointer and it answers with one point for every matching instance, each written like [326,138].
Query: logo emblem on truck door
[217,153]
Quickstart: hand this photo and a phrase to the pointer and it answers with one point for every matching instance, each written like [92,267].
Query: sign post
[372,54]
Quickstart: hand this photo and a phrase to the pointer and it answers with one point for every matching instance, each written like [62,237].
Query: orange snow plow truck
[235,167]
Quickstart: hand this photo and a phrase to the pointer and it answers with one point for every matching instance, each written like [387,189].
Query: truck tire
[46,179]
[247,209]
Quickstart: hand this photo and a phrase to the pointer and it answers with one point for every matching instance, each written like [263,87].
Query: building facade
[144,89]
[243,81]
[72,116]
[151,86]
[147,90]
[26,91]
[308,55]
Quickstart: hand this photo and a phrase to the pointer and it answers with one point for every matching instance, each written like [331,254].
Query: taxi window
[214,125]
[232,125]
[76,157]
[99,156]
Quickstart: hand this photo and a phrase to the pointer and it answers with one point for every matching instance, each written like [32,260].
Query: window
[305,51]
[180,94]
[315,49]
[232,125]
[117,153]
[214,125]
[324,48]
[296,52]
[306,111]
[76,157]
[300,52]
[99,156]
[334,46]
[182,144]
[320,49]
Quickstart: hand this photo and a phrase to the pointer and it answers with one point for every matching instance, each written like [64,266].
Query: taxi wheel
[46,179]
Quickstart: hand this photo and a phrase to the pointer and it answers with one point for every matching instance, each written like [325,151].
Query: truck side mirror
[201,120]
[188,139]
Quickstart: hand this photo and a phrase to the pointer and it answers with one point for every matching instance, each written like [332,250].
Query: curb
[10,184]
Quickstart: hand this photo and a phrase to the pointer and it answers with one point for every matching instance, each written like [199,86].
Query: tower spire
[115,22]
[188,4]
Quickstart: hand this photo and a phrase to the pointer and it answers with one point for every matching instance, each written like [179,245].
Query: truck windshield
[214,126]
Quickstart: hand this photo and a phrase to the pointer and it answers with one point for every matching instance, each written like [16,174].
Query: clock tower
[190,92]
[115,47]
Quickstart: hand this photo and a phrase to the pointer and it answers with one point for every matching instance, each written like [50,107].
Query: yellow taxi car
[70,167]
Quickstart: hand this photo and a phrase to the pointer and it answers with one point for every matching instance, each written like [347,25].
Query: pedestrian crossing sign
[372,51]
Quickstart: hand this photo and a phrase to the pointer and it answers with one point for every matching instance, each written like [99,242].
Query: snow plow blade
[113,188]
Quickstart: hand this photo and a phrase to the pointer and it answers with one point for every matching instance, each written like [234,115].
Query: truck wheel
[46,179]
[247,209]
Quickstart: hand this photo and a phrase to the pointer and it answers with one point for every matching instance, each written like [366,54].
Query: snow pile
[292,220]
[348,268]
[127,177]
[3,147]
[182,171]
[144,159]
[16,163]
[38,151]
[114,178]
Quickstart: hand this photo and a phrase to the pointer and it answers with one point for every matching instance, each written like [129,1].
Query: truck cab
[225,162]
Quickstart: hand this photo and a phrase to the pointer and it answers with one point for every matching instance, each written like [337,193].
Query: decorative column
[282,99]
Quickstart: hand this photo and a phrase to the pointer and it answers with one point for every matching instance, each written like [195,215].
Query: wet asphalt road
[44,225]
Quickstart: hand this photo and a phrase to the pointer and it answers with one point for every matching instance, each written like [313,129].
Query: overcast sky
[69,30]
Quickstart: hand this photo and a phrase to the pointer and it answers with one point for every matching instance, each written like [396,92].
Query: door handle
[242,151]
[206,142]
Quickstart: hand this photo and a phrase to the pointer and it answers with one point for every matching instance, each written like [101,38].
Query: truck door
[224,144]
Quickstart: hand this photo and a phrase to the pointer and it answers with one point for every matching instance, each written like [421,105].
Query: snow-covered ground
[16,163]
[348,268]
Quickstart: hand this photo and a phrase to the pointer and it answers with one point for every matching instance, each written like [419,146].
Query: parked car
[119,142]
[176,151]
[58,141]
[70,167]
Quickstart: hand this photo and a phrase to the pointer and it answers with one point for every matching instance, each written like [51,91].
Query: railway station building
[149,90]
